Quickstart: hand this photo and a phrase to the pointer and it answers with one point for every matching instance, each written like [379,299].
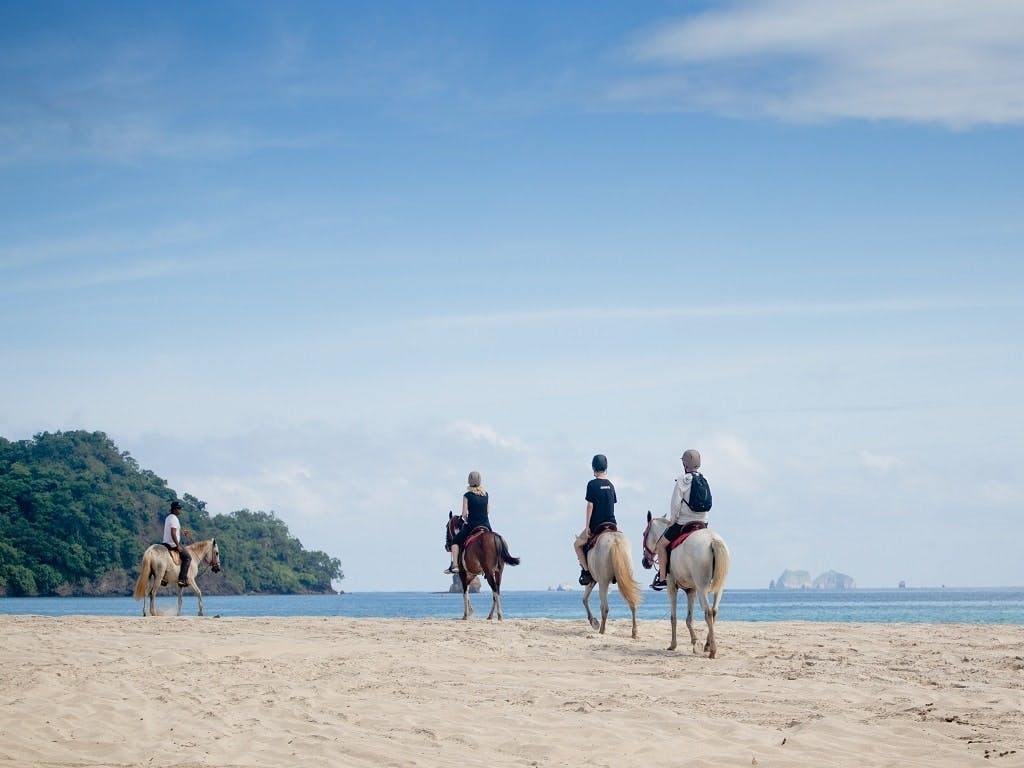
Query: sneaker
[658,584]
[182,583]
[451,569]
[585,577]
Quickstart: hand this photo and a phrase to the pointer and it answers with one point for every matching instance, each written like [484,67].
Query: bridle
[214,553]
[451,528]
[650,557]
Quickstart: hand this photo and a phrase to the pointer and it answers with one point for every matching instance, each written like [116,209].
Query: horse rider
[173,533]
[600,511]
[681,517]
[475,506]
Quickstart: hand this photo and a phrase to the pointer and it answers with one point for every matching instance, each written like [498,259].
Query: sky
[324,259]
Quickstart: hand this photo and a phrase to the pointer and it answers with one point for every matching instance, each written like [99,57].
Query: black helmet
[175,505]
[599,463]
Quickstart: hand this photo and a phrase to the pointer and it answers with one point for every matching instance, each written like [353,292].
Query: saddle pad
[688,530]
[476,534]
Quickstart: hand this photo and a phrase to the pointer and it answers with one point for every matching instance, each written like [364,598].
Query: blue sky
[324,259]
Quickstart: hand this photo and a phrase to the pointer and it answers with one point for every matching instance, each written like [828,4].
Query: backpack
[700,494]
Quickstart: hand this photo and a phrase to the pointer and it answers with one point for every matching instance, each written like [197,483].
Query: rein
[651,557]
[201,561]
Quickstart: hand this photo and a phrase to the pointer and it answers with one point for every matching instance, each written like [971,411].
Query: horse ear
[450,514]
[648,515]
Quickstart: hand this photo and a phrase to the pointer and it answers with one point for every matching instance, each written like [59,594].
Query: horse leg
[709,618]
[154,586]
[181,594]
[494,581]
[673,599]
[604,605]
[467,607]
[689,618]
[586,604]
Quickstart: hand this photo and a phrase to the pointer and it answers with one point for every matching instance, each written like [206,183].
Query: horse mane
[200,548]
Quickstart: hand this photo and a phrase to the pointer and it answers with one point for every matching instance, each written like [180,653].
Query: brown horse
[484,553]
[158,568]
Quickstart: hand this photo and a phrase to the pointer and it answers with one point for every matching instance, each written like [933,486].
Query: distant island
[790,579]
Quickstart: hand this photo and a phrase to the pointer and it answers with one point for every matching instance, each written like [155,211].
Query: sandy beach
[97,691]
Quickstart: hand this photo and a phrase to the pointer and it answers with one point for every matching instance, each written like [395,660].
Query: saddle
[692,527]
[473,535]
[175,555]
[601,529]
[687,530]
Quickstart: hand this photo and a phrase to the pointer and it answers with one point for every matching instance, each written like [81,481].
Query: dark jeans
[186,561]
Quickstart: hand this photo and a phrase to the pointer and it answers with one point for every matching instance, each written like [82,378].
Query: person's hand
[186,532]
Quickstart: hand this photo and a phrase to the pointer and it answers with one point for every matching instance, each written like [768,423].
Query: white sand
[85,691]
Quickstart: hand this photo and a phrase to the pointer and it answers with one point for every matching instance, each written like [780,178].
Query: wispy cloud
[878,463]
[586,314]
[940,61]
[118,101]
[483,433]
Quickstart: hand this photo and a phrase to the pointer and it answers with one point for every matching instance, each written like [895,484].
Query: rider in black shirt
[475,504]
[600,510]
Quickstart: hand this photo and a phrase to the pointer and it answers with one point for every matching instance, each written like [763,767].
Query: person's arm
[590,511]
[465,508]
[675,506]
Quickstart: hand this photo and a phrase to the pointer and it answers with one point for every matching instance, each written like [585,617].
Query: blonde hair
[474,484]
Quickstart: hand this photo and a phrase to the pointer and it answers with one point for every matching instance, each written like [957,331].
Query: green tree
[76,514]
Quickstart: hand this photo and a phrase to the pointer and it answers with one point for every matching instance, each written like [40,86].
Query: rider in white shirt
[173,533]
[680,517]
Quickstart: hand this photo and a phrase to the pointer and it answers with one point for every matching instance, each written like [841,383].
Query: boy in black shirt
[600,509]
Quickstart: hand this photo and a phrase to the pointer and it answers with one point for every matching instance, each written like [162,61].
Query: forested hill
[76,515]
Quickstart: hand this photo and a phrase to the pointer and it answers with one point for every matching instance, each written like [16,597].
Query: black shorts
[676,530]
[464,531]
[672,532]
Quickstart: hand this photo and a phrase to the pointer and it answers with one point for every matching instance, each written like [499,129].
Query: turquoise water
[1004,605]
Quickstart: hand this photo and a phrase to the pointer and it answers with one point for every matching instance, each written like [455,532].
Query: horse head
[453,526]
[655,527]
[214,557]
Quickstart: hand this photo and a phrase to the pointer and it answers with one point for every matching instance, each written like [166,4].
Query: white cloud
[733,457]
[956,63]
[879,463]
[483,433]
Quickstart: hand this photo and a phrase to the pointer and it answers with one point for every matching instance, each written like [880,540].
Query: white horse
[609,560]
[697,566]
[158,569]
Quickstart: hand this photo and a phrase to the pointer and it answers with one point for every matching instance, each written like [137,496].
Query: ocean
[999,605]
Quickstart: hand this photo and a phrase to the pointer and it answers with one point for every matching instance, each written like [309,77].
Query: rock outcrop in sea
[474,585]
[790,579]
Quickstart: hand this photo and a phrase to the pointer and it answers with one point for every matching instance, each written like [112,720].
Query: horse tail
[505,555]
[622,567]
[719,568]
[142,583]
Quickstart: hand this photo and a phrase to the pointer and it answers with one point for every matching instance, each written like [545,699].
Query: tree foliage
[76,515]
